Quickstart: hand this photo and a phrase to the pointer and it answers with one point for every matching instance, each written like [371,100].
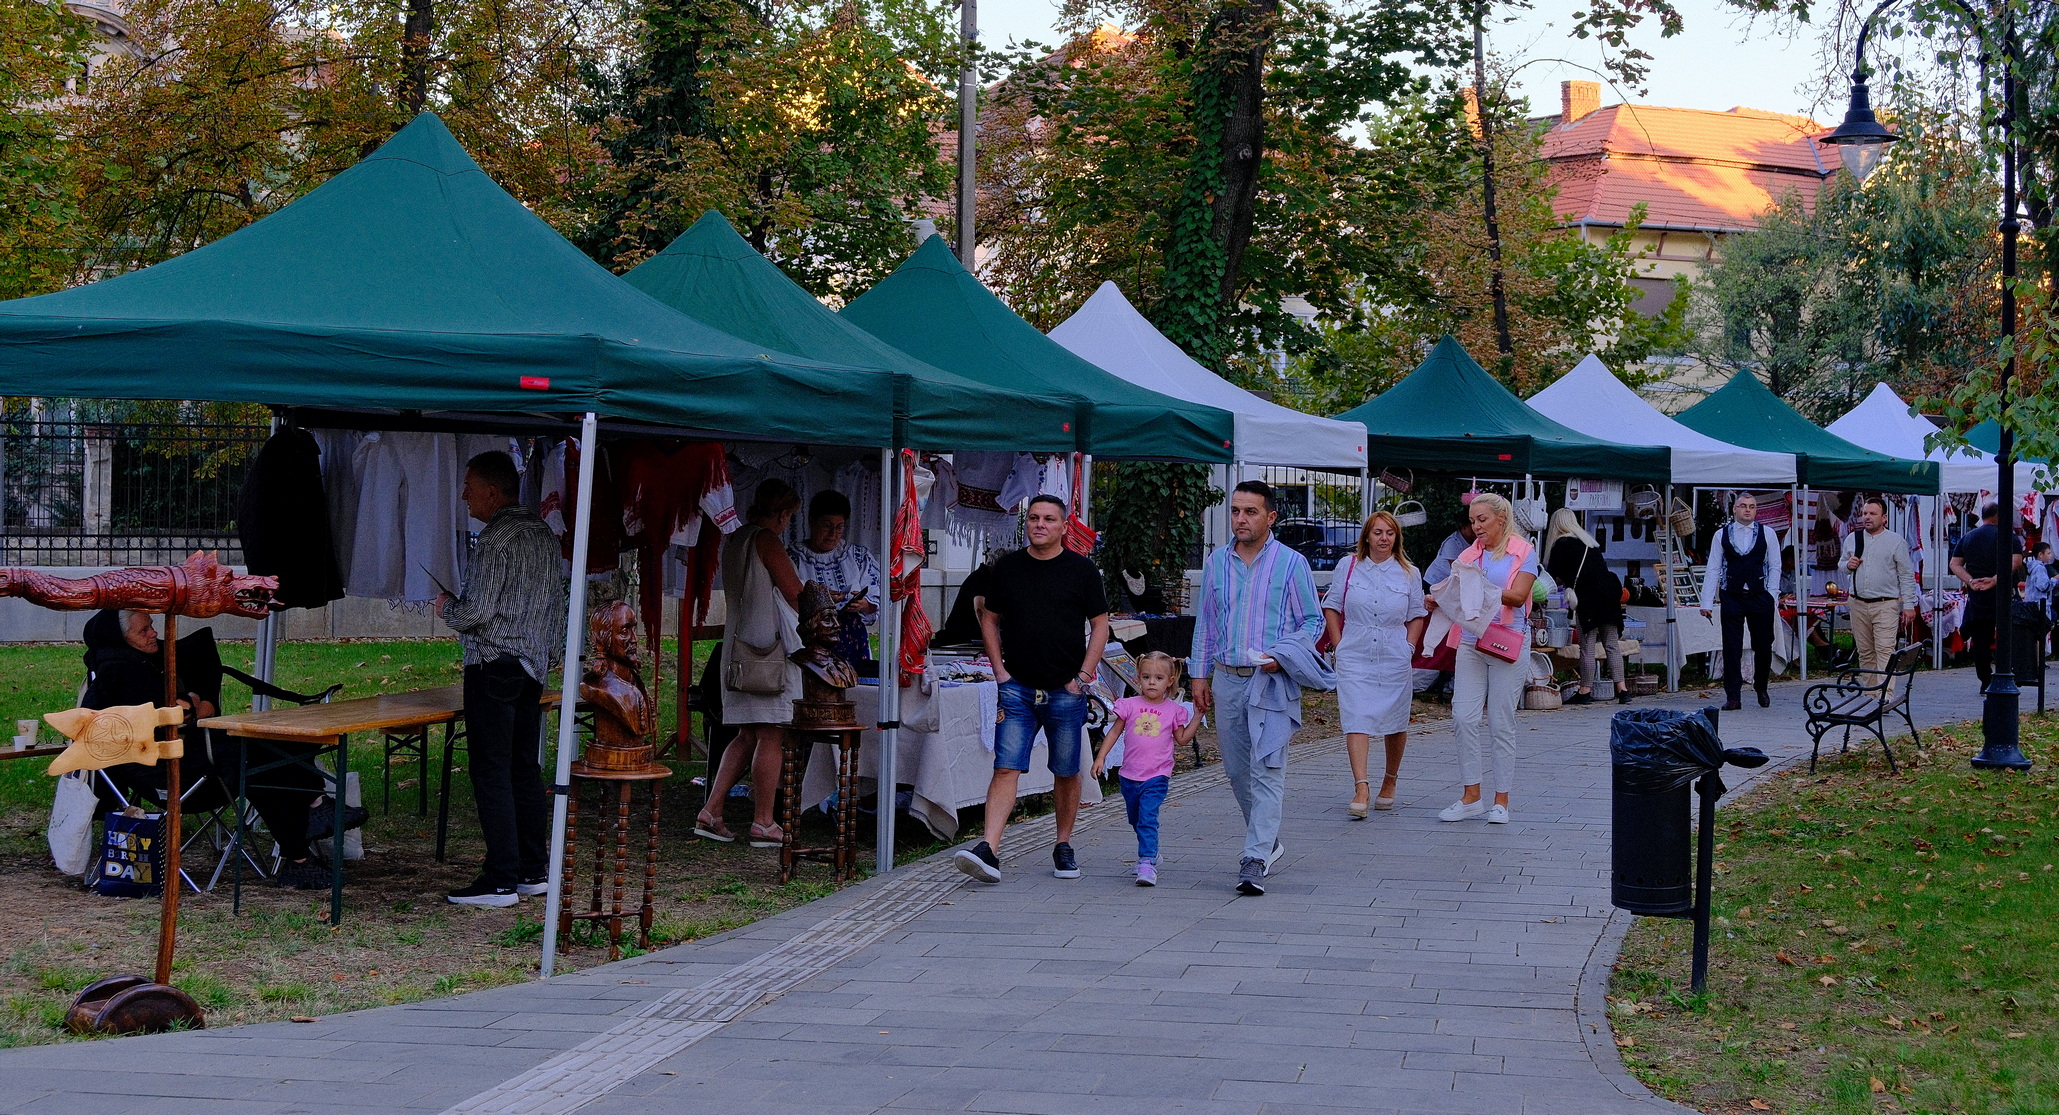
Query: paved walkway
[1400,964]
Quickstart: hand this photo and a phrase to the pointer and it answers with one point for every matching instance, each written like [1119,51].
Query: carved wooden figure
[825,675]
[613,687]
[201,588]
[102,738]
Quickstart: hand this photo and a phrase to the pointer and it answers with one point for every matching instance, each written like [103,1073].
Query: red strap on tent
[1079,537]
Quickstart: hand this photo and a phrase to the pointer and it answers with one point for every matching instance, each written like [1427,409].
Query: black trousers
[503,726]
[1978,629]
[1740,612]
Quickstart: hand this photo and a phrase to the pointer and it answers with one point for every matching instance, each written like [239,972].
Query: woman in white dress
[1374,615]
[760,682]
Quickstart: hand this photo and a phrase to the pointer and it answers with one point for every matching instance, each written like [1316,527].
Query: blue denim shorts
[1061,715]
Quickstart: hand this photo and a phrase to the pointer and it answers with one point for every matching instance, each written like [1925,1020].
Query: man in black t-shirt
[1973,562]
[1044,624]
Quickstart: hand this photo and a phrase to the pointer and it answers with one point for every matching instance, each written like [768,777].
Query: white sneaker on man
[1460,810]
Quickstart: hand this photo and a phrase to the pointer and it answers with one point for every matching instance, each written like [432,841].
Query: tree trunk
[415,34]
[1247,36]
[1496,287]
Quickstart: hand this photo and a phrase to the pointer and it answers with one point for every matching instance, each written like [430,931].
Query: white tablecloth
[945,754]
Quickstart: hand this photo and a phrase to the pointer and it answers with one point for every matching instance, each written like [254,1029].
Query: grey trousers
[1261,790]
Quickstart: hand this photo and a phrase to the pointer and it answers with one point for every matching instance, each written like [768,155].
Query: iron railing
[119,493]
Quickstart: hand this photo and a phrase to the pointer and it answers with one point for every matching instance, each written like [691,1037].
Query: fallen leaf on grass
[1828,981]
[1787,1025]
[1876,1084]
[1761,1105]
[1786,959]
[2014,1034]
[304,1018]
[1625,1042]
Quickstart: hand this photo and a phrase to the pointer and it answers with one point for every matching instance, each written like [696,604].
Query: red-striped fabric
[904,574]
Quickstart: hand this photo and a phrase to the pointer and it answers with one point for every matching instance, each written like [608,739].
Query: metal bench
[1863,699]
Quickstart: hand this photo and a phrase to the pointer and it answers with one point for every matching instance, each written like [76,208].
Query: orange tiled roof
[1692,168]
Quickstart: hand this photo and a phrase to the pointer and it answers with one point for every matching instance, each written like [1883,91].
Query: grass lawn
[399,940]
[1882,943]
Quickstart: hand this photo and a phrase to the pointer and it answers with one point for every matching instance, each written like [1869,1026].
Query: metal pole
[1801,579]
[1672,624]
[568,695]
[1939,561]
[968,130]
[889,720]
[1999,729]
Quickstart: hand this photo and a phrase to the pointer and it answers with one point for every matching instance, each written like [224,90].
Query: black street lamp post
[1861,141]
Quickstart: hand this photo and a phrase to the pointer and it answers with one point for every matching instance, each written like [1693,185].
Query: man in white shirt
[1744,562]
[1883,585]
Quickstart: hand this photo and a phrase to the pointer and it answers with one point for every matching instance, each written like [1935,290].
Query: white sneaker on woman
[1460,810]
[1498,815]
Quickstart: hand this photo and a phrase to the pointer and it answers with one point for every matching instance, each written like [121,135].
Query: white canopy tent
[1593,401]
[1109,333]
[1884,423]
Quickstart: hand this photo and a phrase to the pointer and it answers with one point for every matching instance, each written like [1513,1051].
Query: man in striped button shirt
[1254,593]
[508,620]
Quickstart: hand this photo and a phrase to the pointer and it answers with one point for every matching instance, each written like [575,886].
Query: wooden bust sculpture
[613,687]
[824,674]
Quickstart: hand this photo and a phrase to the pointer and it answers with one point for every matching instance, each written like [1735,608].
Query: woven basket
[1646,685]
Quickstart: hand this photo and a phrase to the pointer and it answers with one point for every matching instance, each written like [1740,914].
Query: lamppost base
[2000,727]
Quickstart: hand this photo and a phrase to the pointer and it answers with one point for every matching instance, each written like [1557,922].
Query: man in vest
[1744,563]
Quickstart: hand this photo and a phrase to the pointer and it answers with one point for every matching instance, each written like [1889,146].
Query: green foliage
[811,126]
[1151,516]
[1888,282]
[42,46]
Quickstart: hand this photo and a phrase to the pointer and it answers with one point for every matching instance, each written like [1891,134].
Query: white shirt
[1742,539]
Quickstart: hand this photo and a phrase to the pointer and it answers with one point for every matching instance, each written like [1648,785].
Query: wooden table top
[327,723]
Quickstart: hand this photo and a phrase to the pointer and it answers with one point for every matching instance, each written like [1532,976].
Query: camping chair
[1863,699]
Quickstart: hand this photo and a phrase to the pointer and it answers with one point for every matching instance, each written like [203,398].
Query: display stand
[842,853]
[622,783]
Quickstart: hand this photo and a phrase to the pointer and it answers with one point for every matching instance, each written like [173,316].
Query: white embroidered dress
[1374,681]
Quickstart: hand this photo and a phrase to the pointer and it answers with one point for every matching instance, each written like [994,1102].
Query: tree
[42,49]
[1564,297]
[1889,282]
[811,126]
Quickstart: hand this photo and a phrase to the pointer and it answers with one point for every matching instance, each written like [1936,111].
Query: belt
[1875,599]
[1240,671]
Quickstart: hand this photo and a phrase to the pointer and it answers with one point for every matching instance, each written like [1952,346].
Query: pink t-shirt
[1147,736]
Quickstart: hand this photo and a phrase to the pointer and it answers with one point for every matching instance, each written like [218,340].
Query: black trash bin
[2029,625]
[1652,868]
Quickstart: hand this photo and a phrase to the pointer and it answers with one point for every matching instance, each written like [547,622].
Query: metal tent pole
[1802,529]
[1672,625]
[889,663]
[568,696]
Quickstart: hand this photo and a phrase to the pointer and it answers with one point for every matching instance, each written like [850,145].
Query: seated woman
[829,559]
[125,666]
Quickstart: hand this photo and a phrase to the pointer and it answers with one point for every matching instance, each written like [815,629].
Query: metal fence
[112,493]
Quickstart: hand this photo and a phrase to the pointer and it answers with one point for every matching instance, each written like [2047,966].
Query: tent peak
[426,141]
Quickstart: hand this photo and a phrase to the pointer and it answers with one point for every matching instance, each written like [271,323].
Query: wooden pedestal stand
[617,827]
[842,854]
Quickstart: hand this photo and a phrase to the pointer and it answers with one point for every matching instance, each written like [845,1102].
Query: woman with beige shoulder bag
[760,682]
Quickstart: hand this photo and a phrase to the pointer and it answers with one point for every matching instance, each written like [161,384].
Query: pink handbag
[1500,642]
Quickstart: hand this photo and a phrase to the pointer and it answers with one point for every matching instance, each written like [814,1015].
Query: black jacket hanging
[283,518]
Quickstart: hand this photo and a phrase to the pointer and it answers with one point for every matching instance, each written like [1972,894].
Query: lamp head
[1861,140]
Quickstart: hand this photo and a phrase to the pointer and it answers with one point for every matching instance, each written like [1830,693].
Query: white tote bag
[71,823]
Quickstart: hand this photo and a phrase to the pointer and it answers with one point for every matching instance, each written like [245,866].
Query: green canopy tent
[712,275]
[1987,437]
[412,290]
[932,308]
[413,282]
[1449,415]
[1744,412]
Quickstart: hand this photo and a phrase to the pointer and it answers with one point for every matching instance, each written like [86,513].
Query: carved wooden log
[201,588]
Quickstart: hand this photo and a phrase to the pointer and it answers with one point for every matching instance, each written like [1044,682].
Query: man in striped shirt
[509,620]
[1254,593]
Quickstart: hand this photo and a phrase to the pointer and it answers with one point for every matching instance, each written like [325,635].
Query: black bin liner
[1657,755]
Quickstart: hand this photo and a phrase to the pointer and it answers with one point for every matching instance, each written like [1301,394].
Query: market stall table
[946,753]
[320,727]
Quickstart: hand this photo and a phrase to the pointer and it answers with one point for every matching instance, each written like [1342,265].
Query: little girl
[1154,726]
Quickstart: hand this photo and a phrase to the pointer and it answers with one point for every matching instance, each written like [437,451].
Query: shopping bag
[131,857]
[71,823]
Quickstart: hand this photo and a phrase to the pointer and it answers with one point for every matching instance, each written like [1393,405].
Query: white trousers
[1484,695]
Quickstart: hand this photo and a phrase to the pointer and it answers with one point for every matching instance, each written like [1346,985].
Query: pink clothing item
[1519,556]
[1147,735]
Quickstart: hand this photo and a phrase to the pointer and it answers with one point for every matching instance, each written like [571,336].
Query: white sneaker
[1498,815]
[1460,810]
[1279,850]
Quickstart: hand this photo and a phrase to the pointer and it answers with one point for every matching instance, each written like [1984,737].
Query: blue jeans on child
[1141,801]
